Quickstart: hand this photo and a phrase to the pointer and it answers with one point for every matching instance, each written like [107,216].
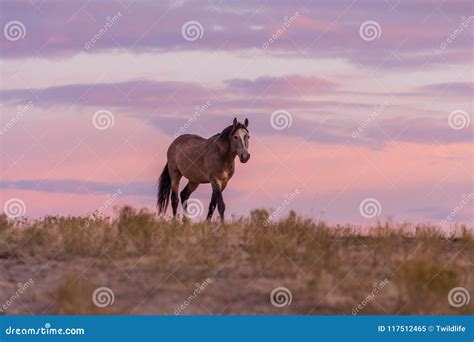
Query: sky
[360,111]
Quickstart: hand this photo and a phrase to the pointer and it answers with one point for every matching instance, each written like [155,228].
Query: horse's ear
[246,123]
[234,123]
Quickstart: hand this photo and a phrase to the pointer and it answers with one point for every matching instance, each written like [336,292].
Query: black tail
[164,190]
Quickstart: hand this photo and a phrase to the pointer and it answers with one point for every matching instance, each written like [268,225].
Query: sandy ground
[231,270]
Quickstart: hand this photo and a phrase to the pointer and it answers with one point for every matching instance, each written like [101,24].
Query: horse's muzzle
[244,158]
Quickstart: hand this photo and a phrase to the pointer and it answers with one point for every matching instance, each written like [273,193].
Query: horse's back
[187,137]
[187,142]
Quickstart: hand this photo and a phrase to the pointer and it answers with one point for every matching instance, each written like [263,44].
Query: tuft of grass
[73,297]
[424,284]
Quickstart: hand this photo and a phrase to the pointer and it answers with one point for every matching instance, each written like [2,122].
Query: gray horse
[202,161]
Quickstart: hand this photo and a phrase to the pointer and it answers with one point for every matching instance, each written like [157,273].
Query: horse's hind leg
[187,191]
[175,178]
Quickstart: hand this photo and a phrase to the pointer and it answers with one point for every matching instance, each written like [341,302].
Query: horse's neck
[225,153]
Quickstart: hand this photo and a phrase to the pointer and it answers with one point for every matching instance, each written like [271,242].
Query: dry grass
[152,266]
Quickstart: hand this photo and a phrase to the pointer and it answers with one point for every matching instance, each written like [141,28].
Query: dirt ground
[139,265]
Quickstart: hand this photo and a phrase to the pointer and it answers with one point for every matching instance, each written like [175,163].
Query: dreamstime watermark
[14,30]
[378,109]
[111,198]
[370,208]
[103,296]
[459,119]
[199,110]
[464,23]
[375,290]
[194,208]
[287,22]
[22,287]
[109,22]
[21,111]
[103,119]
[280,297]
[46,330]
[198,289]
[281,119]
[370,30]
[14,208]
[286,202]
[458,296]
[192,30]
[455,211]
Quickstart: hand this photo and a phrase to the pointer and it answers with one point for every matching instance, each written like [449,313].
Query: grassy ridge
[153,265]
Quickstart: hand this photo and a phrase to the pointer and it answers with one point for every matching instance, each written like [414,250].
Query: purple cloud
[329,29]
[464,89]
[163,105]
[80,187]
[287,86]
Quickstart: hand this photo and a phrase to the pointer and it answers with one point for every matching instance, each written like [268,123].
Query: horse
[202,161]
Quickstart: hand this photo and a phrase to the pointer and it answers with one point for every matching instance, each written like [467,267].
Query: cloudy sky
[363,109]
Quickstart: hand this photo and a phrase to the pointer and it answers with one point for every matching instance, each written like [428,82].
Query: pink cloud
[317,25]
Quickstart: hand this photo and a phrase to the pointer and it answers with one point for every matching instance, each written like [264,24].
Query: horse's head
[239,140]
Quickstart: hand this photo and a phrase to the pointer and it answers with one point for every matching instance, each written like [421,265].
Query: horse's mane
[228,131]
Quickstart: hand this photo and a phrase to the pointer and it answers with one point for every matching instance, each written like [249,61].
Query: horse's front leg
[212,205]
[217,187]
[220,205]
